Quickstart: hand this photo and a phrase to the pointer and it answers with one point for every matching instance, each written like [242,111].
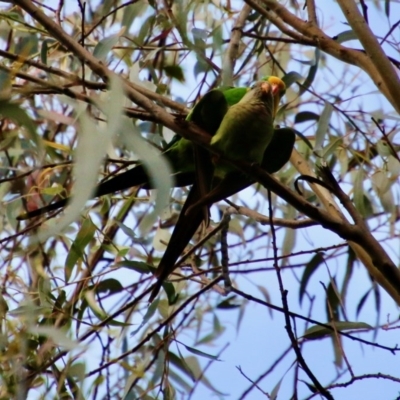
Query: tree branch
[229,62]
[372,47]
[328,45]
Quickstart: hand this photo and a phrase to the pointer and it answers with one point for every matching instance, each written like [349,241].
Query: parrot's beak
[277,97]
[278,90]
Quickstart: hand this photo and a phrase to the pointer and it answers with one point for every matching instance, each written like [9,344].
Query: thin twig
[286,313]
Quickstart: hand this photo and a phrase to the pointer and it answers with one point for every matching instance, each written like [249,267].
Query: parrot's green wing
[275,157]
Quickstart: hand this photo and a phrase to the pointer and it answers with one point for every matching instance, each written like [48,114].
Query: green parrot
[244,134]
[207,113]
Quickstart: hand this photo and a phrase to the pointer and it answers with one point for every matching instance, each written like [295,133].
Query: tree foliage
[89,89]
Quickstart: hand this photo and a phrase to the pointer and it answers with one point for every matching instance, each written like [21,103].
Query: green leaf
[172,296]
[179,362]
[76,252]
[241,312]
[43,52]
[333,301]
[345,36]
[291,78]
[331,148]
[104,47]
[212,336]
[351,258]
[177,378]
[311,73]
[19,116]
[109,285]
[57,335]
[149,313]
[137,266]
[311,267]
[289,239]
[382,186]
[128,231]
[30,310]
[93,142]
[217,38]
[94,306]
[5,90]
[131,12]
[145,29]
[227,304]
[361,201]
[304,139]
[3,307]
[318,332]
[305,116]
[156,166]
[27,45]
[175,71]
[312,388]
[274,392]
[200,353]
[200,33]
[77,370]
[200,67]
[195,367]
[387,8]
[323,126]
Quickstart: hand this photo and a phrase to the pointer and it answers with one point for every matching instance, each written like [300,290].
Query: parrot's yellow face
[278,91]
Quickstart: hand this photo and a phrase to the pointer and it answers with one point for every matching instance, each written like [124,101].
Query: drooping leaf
[180,363]
[104,46]
[14,112]
[331,148]
[351,258]
[311,267]
[200,353]
[323,126]
[274,392]
[131,12]
[319,332]
[128,231]
[228,304]
[57,335]
[332,301]
[200,67]
[305,116]
[175,71]
[345,36]
[94,306]
[178,379]
[137,266]
[82,239]
[291,78]
[195,367]
[359,191]
[109,285]
[27,45]
[311,73]
[303,138]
